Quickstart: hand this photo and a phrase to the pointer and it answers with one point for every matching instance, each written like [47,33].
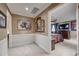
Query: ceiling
[65,11]
[19,8]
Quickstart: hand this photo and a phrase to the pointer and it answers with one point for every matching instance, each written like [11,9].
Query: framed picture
[24,24]
[40,25]
[2,20]
[73,25]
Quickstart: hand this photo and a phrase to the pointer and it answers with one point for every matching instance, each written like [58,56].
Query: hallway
[31,29]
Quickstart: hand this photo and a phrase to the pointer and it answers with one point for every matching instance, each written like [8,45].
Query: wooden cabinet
[65,34]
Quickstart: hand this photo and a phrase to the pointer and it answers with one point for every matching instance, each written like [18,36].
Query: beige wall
[9,22]
[44,15]
[15,19]
[3,31]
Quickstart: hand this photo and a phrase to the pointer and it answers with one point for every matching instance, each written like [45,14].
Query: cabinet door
[65,34]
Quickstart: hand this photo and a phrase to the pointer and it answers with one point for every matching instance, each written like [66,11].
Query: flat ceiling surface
[65,11]
[19,8]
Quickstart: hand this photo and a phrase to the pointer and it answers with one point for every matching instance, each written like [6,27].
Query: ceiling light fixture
[27,8]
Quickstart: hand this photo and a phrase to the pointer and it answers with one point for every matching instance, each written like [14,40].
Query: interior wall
[3,31]
[21,39]
[3,47]
[44,42]
[15,19]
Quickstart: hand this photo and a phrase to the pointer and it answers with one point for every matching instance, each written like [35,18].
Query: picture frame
[40,25]
[3,20]
[23,24]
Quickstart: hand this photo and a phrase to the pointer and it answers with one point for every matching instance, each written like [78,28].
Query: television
[64,26]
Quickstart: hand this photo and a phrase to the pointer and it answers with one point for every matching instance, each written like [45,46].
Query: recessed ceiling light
[27,8]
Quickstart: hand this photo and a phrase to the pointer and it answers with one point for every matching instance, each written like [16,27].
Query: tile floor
[27,50]
[61,49]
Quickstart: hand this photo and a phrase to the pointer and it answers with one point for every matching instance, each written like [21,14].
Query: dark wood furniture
[65,34]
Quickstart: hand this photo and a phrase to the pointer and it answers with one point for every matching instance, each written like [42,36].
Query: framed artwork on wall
[24,24]
[73,25]
[40,25]
[3,20]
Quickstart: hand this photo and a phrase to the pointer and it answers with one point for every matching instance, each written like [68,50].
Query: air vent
[34,11]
